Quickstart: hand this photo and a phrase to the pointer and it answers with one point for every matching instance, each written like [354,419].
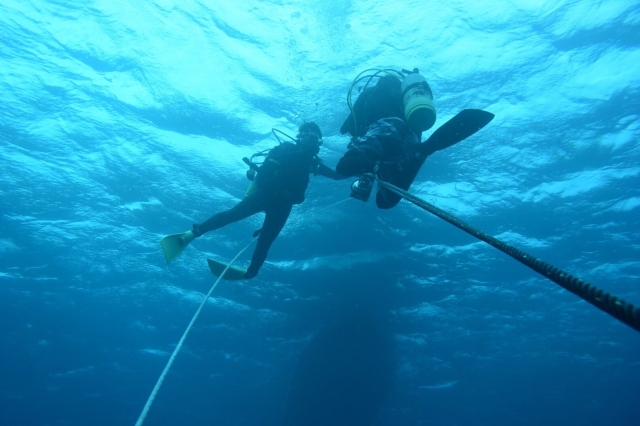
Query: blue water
[122,122]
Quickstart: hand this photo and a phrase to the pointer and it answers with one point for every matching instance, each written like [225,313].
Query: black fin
[461,126]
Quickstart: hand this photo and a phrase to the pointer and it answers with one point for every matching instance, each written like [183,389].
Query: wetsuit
[389,143]
[381,136]
[280,183]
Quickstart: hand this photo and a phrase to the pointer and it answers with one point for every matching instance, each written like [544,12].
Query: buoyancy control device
[258,158]
[285,168]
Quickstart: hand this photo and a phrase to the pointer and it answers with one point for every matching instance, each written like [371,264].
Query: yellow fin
[233,273]
[172,245]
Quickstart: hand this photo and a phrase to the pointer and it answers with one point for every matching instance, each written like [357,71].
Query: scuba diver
[386,124]
[277,184]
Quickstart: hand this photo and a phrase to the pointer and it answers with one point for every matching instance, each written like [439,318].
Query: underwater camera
[361,188]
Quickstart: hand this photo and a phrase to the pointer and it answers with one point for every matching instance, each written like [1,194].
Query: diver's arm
[355,165]
[327,171]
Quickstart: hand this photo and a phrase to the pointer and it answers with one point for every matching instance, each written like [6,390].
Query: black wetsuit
[280,183]
[389,143]
[381,136]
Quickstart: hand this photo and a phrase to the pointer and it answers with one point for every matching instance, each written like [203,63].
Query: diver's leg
[402,178]
[250,205]
[386,199]
[352,164]
[275,218]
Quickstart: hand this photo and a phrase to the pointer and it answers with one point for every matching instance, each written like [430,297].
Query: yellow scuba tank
[251,174]
[419,110]
[251,189]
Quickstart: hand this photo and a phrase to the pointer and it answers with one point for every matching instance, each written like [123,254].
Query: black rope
[614,306]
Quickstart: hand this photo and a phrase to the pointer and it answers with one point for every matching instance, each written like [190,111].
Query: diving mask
[309,138]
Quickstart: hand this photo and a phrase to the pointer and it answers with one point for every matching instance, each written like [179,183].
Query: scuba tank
[413,101]
[253,168]
[251,175]
[419,110]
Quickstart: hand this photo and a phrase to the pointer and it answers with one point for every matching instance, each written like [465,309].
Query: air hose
[614,306]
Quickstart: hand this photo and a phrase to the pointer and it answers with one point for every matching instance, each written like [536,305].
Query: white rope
[155,390]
